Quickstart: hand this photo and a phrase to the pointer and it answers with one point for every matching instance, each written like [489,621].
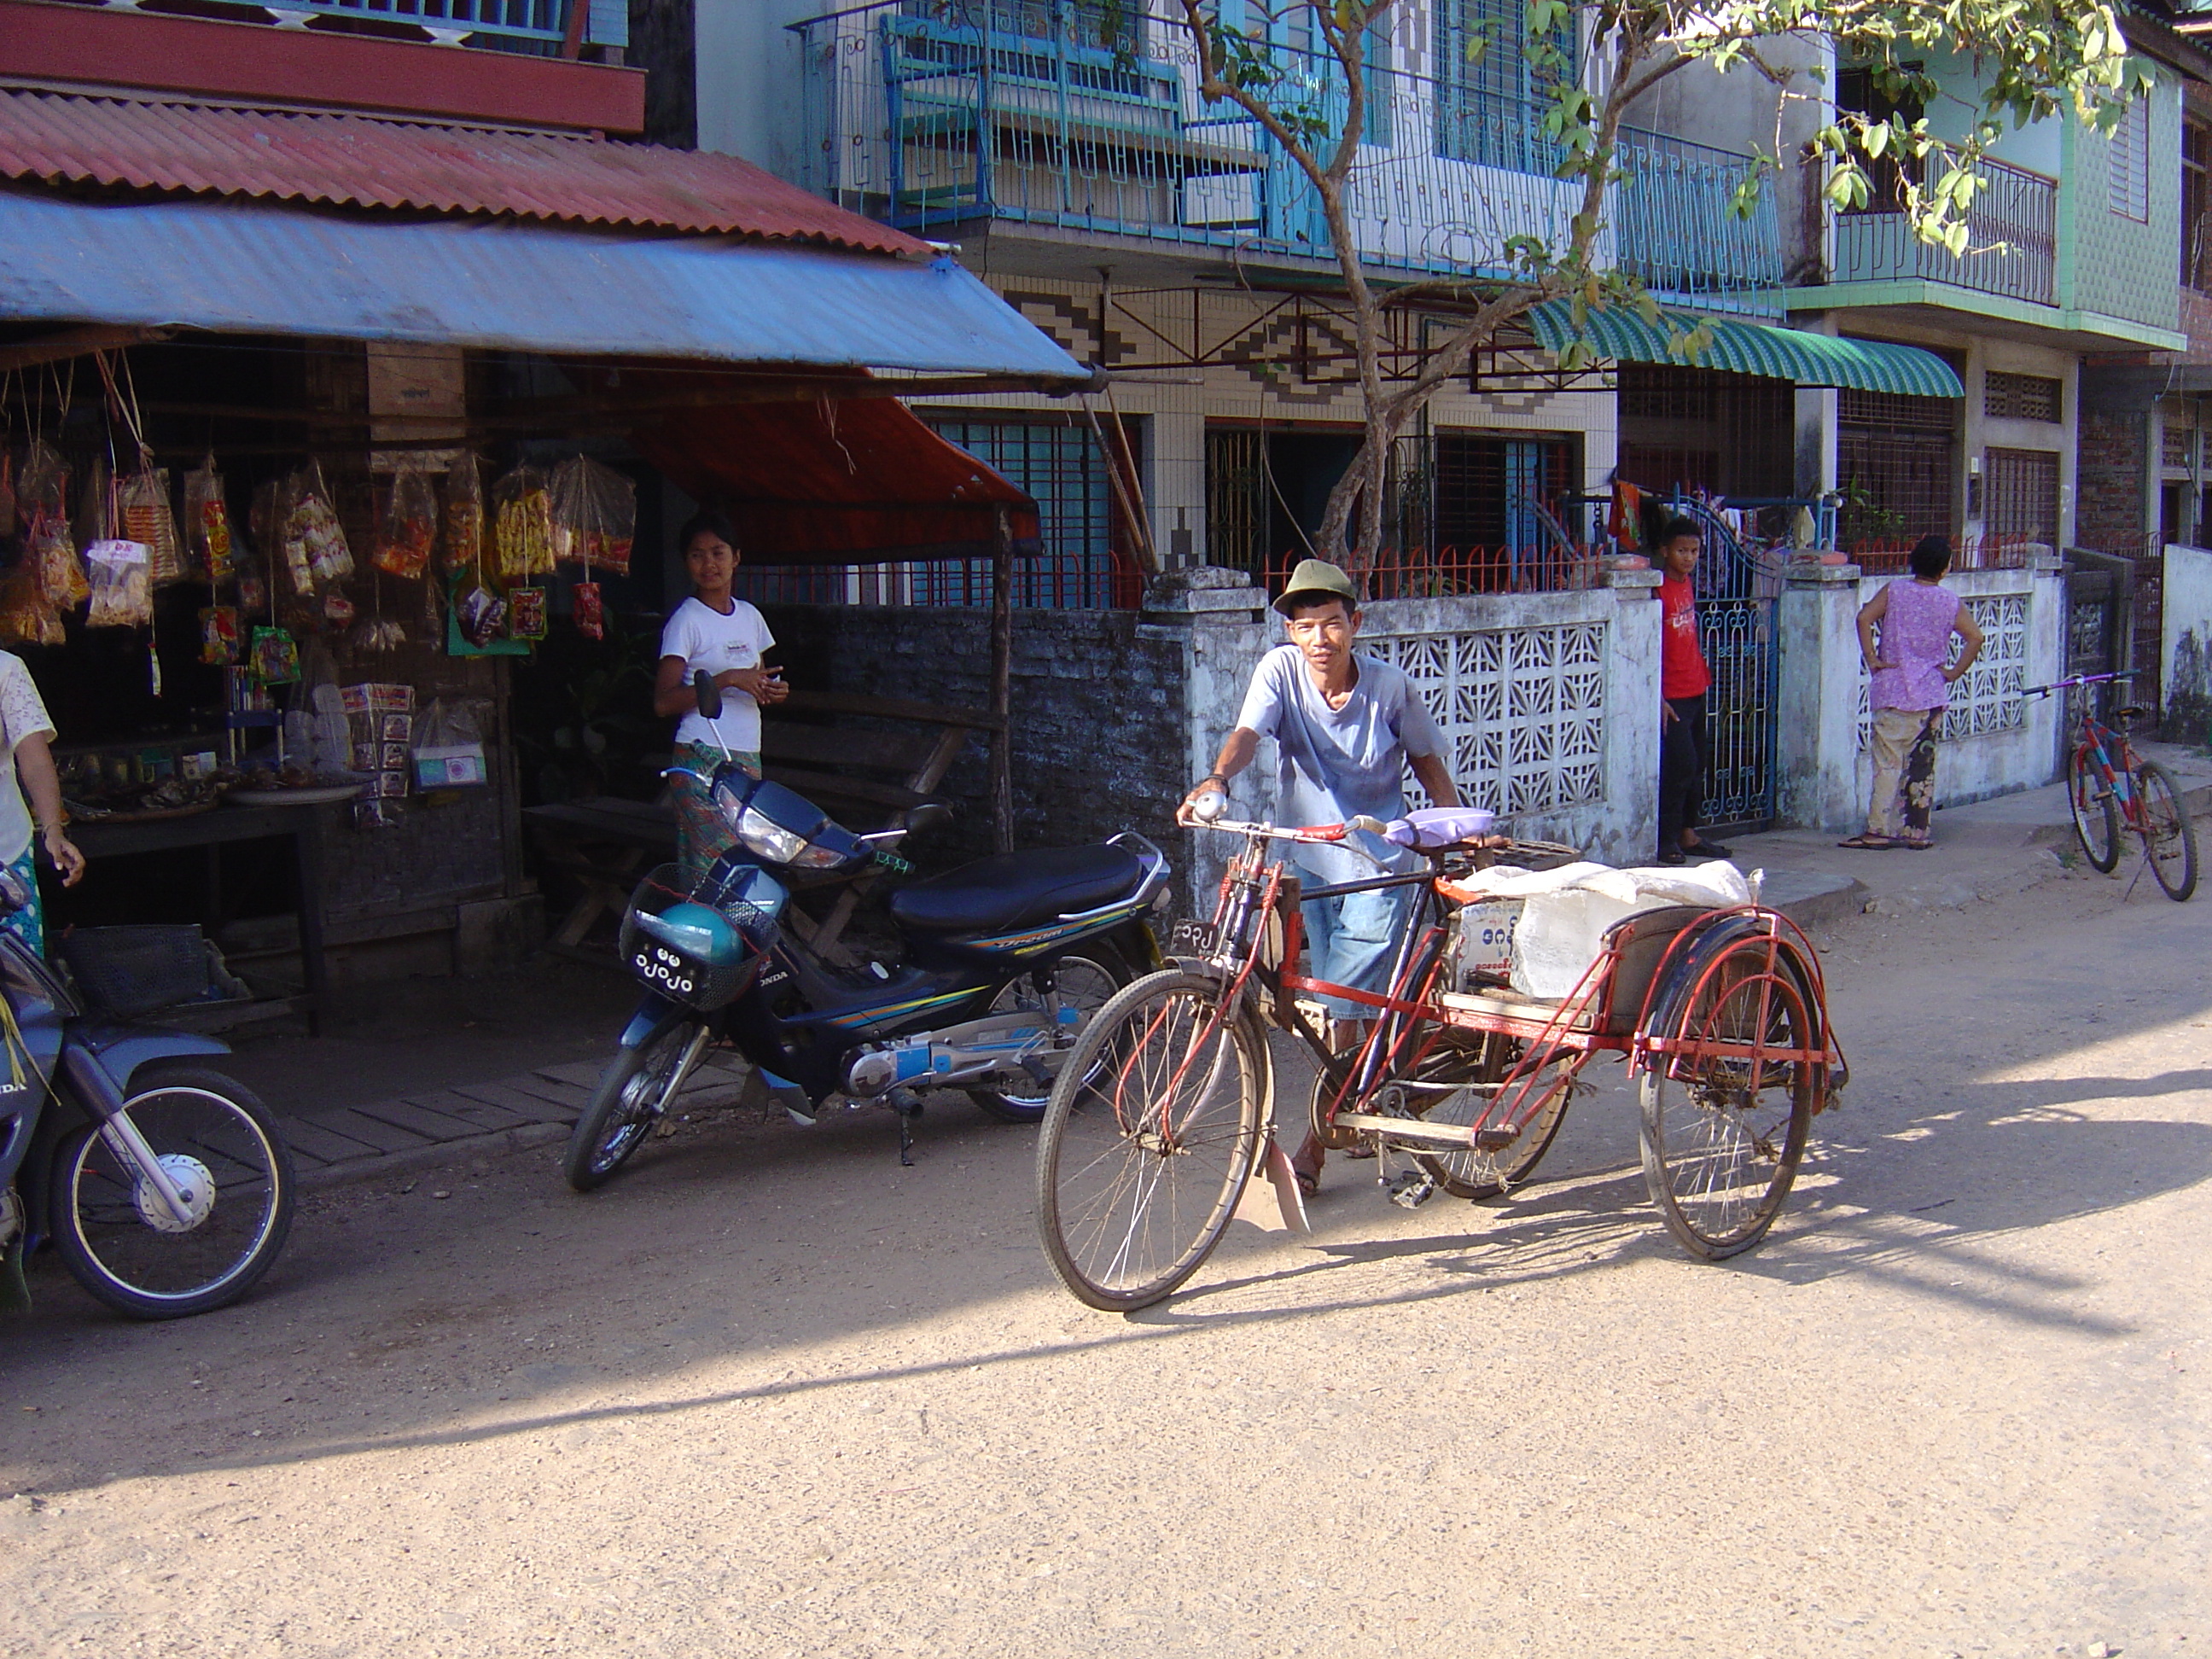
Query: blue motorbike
[166,1189]
[1001,962]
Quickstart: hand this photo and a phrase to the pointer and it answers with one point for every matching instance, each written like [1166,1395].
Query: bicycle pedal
[1410,1190]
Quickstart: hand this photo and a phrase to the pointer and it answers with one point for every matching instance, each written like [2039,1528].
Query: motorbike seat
[1016,890]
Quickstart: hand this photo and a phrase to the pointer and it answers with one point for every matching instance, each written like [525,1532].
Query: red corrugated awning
[361,162]
[856,482]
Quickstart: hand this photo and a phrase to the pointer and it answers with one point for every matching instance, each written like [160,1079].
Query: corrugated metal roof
[363,162]
[237,267]
[1784,354]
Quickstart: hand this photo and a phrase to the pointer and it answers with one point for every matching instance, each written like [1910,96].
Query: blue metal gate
[1737,594]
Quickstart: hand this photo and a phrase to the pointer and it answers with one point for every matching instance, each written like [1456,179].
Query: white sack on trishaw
[1564,912]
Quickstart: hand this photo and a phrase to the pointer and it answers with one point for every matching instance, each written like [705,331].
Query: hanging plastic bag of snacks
[313,524]
[594,515]
[273,656]
[53,560]
[40,487]
[464,516]
[7,495]
[522,526]
[337,608]
[407,530]
[207,524]
[122,584]
[26,617]
[591,616]
[526,613]
[142,500]
[480,612]
[272,508]
[219,634]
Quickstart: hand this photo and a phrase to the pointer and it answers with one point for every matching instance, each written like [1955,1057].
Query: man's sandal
[1872,843]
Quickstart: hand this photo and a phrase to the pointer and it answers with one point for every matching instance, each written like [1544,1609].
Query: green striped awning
[1781,354]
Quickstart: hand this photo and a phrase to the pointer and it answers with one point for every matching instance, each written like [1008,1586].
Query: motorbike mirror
[709,695]
[928,816]
[15,892]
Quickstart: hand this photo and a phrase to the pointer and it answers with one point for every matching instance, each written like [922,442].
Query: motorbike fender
[122,1050]
[654,1018]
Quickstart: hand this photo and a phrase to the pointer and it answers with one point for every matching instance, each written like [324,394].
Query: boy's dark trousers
[1682,768]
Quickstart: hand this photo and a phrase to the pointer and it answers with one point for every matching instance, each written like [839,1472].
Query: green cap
[1317,578]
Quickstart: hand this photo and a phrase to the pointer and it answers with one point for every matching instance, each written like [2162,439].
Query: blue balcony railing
[930,114]
[532,26]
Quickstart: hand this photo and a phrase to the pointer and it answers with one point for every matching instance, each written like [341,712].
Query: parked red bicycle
[2109,785]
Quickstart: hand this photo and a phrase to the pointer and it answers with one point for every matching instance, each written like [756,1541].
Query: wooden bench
[867,778]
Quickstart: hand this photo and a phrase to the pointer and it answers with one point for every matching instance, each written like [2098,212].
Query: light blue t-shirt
[1334,762]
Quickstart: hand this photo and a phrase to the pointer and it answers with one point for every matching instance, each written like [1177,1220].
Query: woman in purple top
[1917,616]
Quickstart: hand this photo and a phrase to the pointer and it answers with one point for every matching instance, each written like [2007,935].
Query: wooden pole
[1002,671]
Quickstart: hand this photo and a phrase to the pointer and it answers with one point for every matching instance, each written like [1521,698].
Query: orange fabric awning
[856,481]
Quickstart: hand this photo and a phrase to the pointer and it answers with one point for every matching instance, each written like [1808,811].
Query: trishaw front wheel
[1728,1099]
[1151,1132]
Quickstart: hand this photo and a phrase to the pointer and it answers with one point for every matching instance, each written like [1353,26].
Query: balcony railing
[2013,225]
[928,113]
[531,25]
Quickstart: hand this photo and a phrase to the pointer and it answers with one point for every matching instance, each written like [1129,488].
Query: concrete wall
[1996,742]
[2185,661]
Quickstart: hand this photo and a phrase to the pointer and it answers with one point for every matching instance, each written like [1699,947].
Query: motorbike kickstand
[908,1107]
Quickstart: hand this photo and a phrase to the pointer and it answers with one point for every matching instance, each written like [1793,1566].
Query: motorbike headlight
[763,835]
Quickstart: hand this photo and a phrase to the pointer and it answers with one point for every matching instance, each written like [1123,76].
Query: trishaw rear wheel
[1728,1102]
[1152,1130]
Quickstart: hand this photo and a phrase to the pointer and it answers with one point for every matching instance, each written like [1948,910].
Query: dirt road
[771,1393]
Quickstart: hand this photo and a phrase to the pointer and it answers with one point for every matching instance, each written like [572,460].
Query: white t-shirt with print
[22,715]
[707,638]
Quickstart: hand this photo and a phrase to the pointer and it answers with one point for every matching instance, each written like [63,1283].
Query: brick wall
[2109,480]
[1101,737]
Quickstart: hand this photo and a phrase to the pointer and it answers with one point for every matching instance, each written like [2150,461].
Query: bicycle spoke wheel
[1151,1132]
[1476,1173]
[121,1240]
[2096,814]
[1725,1112]
[2169,838]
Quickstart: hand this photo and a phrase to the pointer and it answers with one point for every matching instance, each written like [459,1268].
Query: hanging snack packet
[96,516]
[59,571]
[591,618]
[337,608]
[464,516]
[219,634]
[207,524]
[7,495]
[480,613]
[312,523]
[26,617]
[275,498]
[594,514]
[407,530]
[522,526]
[143,501]
[122,585]
[274,657]
[526,613]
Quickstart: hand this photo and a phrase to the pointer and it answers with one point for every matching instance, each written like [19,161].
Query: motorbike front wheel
[632,1092]
[1085,977]
[121,1240]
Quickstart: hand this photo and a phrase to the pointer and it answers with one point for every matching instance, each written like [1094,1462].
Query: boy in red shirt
[1683,680]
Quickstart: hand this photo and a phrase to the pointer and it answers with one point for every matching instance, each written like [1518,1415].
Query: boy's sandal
[1917,846]
[1871,844]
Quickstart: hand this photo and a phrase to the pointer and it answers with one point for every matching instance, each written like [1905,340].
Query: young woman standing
[716,631]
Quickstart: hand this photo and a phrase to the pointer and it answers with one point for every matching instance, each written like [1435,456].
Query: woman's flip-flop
[1871,844]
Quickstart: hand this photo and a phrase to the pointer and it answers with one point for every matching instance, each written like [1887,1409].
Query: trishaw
[1164,1109]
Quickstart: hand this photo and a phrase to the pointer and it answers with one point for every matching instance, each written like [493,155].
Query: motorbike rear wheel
[1086,976]
[632,1094]
[224,1153]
